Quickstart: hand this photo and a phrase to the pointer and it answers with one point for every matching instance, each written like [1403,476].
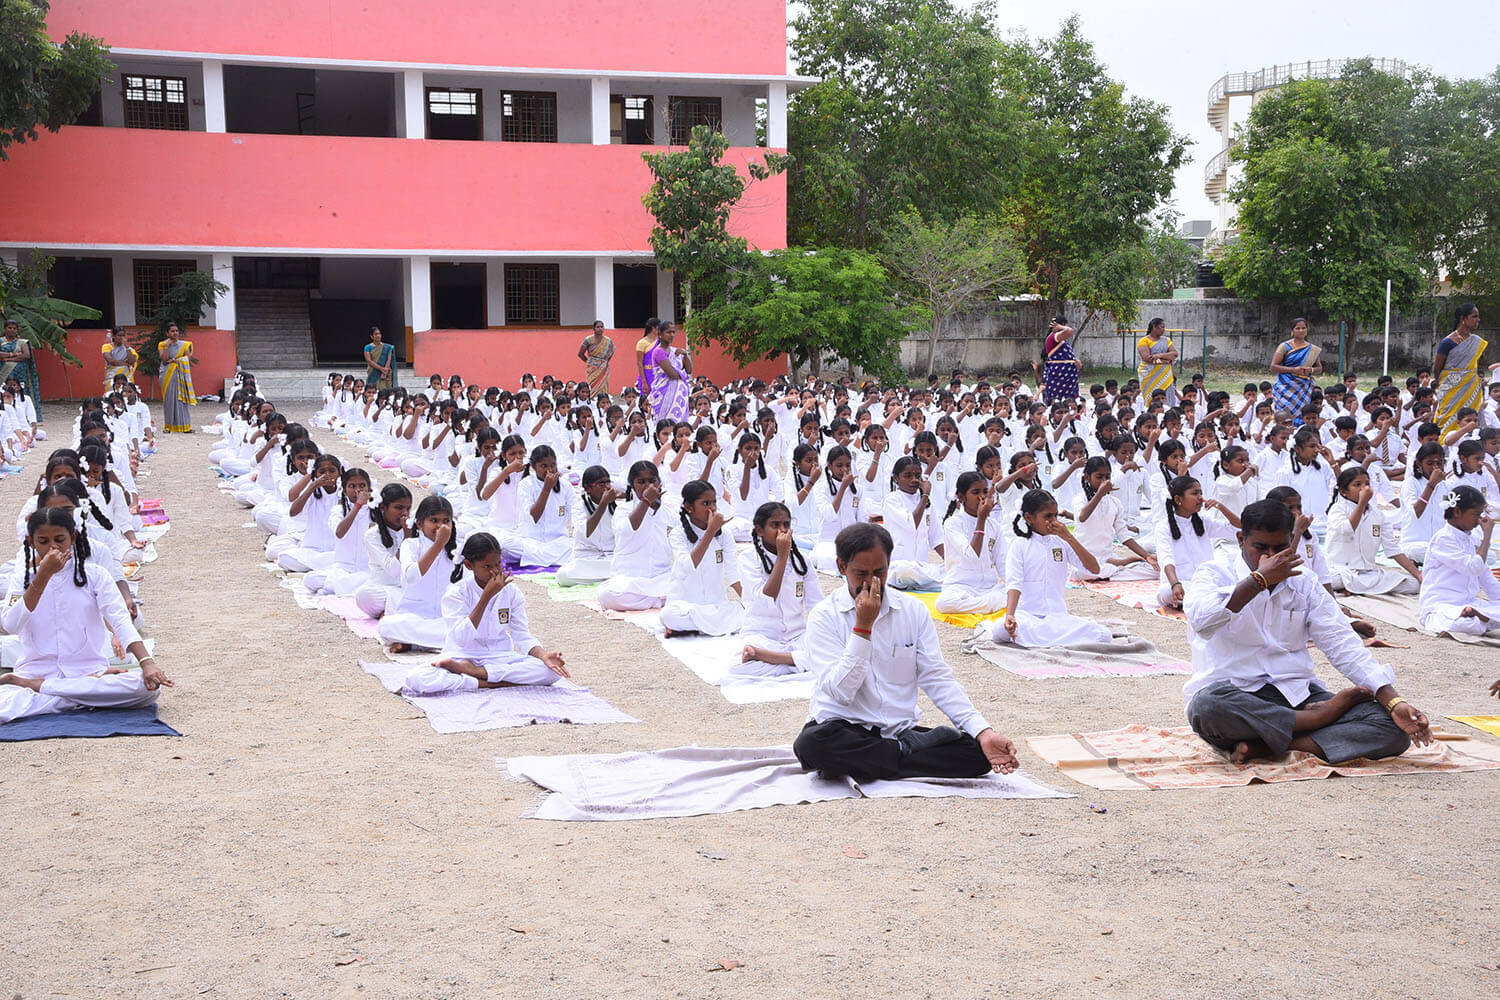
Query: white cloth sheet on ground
[500,708]
[1124,656]
[697,781]
[1401,611]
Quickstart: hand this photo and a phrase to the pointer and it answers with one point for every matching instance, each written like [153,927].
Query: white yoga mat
[1401,611]
[500,708]
[1127,656]
[697,781]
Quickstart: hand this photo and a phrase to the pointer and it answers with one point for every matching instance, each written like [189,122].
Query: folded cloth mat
[1125,656]
[695,781]
[1401,611]
[91,723]
[1141,757]
[500,708]
[961,620]
[1484,723]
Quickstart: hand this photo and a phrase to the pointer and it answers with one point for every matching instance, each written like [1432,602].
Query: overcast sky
[1172,51]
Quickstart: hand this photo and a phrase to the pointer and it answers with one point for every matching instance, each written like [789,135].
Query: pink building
[468,177]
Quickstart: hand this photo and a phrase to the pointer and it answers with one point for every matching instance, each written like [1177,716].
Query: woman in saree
[669,371]
[1296,364]
[381,359]
[595,352]
[643,348]
[1455,370]
[177,382]
[119,359]
[1157,356]
[1060,377]
[15,360]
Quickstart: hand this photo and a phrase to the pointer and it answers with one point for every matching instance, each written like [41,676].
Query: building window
[630,120]
[528,116]
[155,101]
[153,279]
[686,113]
[454,113]
[531,294]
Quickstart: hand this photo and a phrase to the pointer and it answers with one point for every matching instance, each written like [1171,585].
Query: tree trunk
[932,339]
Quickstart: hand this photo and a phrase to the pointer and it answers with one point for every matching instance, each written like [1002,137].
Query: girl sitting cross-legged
[1459,594]
[426,563]
[703,568]
[781,588]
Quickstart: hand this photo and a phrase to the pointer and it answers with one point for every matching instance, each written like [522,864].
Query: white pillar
[223,272]
[599,105]
[494,292]
[666,302]
[122,275]
[415,104]
[213,96]
[776,116]
[419,291]
[604,291]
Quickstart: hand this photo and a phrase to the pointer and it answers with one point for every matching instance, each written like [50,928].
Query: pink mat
[344,607]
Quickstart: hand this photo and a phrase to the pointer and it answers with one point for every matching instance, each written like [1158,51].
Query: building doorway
[458,296]
[635,295]
[630,118]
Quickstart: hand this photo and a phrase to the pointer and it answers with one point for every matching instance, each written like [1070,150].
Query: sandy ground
[311,836]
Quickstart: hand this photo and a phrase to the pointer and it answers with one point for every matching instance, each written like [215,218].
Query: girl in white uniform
[1237,482]
[1421,502]
[593,530]
[1310,473]
[640,573]
[704,569]
[313,508]
[1357,532]
[489,643]
[350,569]
[1459,593]
[1185,539]
[426,566]
[546,506]
[1102,524]
[800,494]
[498,494]
[973,550]
[838,506]
[916,533]
[1037,565]
[749,485]
[64,613]
[382,588]
[781,589]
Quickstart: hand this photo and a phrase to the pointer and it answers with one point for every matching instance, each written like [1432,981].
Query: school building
[468,176]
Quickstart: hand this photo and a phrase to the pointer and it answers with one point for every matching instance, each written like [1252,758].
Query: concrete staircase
[273,330]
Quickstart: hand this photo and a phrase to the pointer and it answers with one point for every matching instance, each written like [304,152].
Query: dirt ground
[311,836]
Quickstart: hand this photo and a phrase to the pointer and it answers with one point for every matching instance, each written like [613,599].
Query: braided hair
[594,474]
[1165,450]
[746,438]
[58,518]
[1305,435]
[1232,452]
[763,515]
[94,456]
[798,454]
[966,481]
[835,453]
[348,476]
[326,457]
[390,493]
[74,490]
[691,492]
[541,453]
[1034,501]
[1090,467]
[476,547]
[1176,489]
[431,507]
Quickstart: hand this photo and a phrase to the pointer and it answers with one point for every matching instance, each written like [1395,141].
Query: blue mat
[87,723]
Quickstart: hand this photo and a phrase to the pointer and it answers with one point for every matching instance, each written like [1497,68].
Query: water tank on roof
[1208,277]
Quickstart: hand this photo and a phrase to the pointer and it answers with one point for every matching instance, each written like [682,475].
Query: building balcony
[115,188]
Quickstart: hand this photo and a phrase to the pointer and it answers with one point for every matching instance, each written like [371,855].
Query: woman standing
[669,371]
[119,359]
[1157,358]
[381,358]
[177,382]
[644,376]
[1060,379]
[595,352]
[1456,367]
[15,361]
[1296,364]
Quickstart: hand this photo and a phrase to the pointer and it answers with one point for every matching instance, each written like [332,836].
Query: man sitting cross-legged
[1253,691]
[872,649]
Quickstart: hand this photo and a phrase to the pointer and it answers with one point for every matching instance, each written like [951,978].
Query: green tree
[947,268]
[907,115]
[26,298]
[43,84]
[184,303]
[691,196]
[813,306]
[1170,262]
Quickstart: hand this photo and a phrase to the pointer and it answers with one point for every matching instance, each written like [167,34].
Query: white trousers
[720,618]
[512,668]
[61,694]
[957,599]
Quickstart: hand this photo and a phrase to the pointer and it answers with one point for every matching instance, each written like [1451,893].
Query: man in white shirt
[1254,691]
[875,648]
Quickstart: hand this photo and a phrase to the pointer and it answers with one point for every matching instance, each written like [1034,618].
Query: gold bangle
[1260,580]
[1390,706]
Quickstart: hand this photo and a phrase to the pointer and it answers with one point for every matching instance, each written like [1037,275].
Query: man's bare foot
[1326,713]
[1248,751]
[400,647]
[34,683]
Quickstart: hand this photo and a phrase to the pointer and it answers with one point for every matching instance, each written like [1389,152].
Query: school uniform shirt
[597,545]
[1314,484]
[1416,527]
[962,566]
[914,541]
[1104,527]
[1266,641]
[831,519]
[557,513]
[1038,567]
[1454,575]
[759,492]
[875,682]
[502,628]
[782,618]
[384,561]
[642,552]
[710,580]
[873,491]
[66,635]
[1273,464]
[1191,550]
[806,517]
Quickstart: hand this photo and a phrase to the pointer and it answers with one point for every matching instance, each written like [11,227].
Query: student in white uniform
[973,550]
[800,493]
[382,540]
[350,568]
[1422,493]
[1237,481]
[546,505]
[781,588]
[1310,473]
[1102,524]
[749,484]
[640,572]
[489,643]
[1185,538]
[64,613]
[497,493]
[907,515]
[593,530]
[838,505]
[1459,593]
[1357,533]
[704,569]
[426,566]
[1037,566]
[313,508]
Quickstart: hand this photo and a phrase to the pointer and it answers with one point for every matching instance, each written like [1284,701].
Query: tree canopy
[43,84]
